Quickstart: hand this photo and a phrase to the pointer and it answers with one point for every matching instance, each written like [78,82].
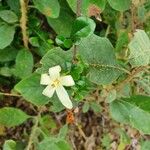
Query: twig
[23,21]
[130,77]
[78,10]
[78,13]
[33,132]
[9,94]
[107,31]
[81,131]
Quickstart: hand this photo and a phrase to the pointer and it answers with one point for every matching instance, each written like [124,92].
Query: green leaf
[54,143]
[85,107]
[120,5]
[8,16]
[53,57]
[63,132]
[145,145]
[134,111]
[8,54]
[49,8]
[12,116]
[122,41]
[111,96]
[63,24]
[5,71]
[99,54]
[24,63]
[31,90]
[8,35]
[95,107]
[82,27]
[9,145]
[88,7]
[139,49]
[14,5]
[34,41]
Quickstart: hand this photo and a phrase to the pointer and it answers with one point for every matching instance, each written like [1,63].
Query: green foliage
[8,54]
[24,64]
[49,8]
[9,145]
[120,5]
[31,90]
[12,116]
[63,24]
[145,145]
[95,107]
[82,27]
[87,6]
[54,143]
[103,44]
[98,53]
[8,32]
[55,57]
[133,111]
[86,107]
[8,16]
[139,49]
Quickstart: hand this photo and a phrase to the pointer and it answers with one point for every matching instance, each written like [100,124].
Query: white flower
[55,82]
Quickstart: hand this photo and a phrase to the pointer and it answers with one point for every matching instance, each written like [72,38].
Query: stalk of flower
[55,82]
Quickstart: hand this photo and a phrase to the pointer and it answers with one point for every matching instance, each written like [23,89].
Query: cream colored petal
[45,79]
[64,97]
[48,91]
[54,72]
[67,80]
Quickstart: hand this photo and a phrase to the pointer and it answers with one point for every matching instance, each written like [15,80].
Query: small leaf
[54,143]
[82,27]
[95,107]
[5,71]
[134,111]
[63,132]
[111,96]
[8,35]
[63,24]
[8,54]
[120,5]
[139,49]
[85,107]
[34,41]
[8,16]
[12,116]
[31,90]
[24,64]
[49,8]
[9,145]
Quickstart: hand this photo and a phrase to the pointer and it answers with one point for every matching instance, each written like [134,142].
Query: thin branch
[78,14]
[81,132]
[23,21]
[78,9]
[33,132]
[9,94]
[130,77]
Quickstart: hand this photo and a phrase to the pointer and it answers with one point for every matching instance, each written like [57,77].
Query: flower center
[55,83]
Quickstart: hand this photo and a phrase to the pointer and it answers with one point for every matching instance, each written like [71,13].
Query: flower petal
[45,79]
[54,72]
[48,91]
[67,80]
[64,97]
